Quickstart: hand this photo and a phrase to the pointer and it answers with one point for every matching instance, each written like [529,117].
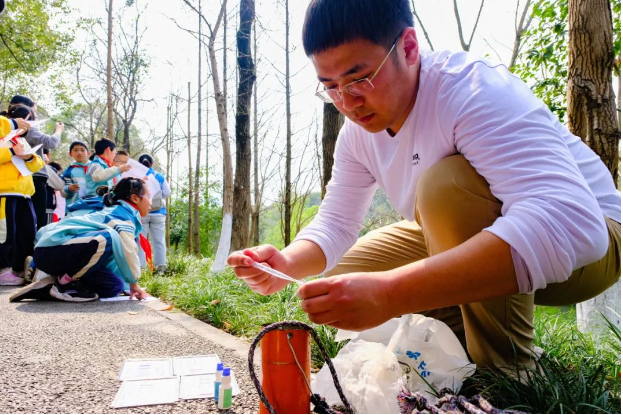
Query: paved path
[65,358]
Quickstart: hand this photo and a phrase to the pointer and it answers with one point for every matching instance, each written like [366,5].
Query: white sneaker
[39,275]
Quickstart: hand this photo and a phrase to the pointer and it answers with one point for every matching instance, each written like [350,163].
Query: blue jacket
[99,174]
[123,224]
[85,206]
[76,173]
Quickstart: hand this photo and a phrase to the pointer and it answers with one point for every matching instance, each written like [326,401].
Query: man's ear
[410,46]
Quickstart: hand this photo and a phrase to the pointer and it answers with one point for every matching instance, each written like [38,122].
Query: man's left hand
[355,301]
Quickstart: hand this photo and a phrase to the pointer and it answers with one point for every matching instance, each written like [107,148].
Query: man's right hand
[125,168]
[74,187]
[259,281]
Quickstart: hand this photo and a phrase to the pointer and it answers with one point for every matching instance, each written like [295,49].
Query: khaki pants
[453,203]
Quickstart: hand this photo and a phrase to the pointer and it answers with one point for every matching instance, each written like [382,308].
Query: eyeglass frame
[328,100]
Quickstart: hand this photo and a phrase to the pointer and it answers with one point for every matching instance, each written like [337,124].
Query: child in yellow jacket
[17,217]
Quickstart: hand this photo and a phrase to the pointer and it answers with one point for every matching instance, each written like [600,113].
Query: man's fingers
[317,304]
[326,317]
[237,259]
[261,253]
[314,288]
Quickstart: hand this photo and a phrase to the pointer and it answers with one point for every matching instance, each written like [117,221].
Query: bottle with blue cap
[224,393]
[217,381]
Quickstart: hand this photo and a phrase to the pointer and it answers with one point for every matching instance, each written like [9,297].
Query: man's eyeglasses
[355,88]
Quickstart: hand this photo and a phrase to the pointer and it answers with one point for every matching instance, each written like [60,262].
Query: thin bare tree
[254,239]
[287,217]
[190,181]
[130,66]
[109,100]
[228,177]
[466,45]
[246,80]
[521,26]
[196,242]
[417,17]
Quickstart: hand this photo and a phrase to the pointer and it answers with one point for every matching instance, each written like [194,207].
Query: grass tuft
[576,373]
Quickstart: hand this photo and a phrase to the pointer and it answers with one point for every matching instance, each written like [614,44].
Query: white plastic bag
[425,348]
[429,352]
[370,377]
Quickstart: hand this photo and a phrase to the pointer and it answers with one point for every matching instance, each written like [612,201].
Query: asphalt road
[65,358]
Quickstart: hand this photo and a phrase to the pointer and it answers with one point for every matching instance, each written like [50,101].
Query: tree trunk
[592,114]
[591,100]
[228,177]
[332,121]
[225,56]
[196,243]
[190,182]
[109,102]
[287,216]
[126,136]
[168,150]
[246,79]
[207,172]
[255,213]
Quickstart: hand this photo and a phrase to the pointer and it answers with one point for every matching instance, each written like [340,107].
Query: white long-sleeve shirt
[554,189]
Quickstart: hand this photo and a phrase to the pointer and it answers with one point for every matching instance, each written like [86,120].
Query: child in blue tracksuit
[76,174]
[101,170]
[92,256]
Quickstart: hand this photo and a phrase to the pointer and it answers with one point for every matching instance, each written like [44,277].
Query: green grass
[576,374]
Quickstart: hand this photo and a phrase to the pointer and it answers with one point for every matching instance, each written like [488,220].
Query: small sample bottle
[224,393]
[217,381]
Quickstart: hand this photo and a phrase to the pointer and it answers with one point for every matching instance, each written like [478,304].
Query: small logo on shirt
[416,159]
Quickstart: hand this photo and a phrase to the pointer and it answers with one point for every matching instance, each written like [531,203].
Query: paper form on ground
[147,392]
[202,386]
[136,369]
[195,365]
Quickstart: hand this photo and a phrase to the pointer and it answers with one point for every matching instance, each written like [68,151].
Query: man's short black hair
[78,143]
[102,144]
[331,23]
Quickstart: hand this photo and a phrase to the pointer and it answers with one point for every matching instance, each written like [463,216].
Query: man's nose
[350,102]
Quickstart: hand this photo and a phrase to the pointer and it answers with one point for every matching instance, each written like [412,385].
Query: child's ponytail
[124,190]
[18,111]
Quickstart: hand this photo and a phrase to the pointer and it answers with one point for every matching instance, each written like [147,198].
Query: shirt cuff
[13,123]
[524,281]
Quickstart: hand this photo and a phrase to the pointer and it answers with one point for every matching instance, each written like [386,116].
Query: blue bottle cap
[219,366]
[226,371]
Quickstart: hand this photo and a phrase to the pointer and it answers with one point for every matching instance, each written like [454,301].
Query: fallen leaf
[215,302]
[167,308]
[132,313]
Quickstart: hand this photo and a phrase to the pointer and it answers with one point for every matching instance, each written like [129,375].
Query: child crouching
[91,256]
